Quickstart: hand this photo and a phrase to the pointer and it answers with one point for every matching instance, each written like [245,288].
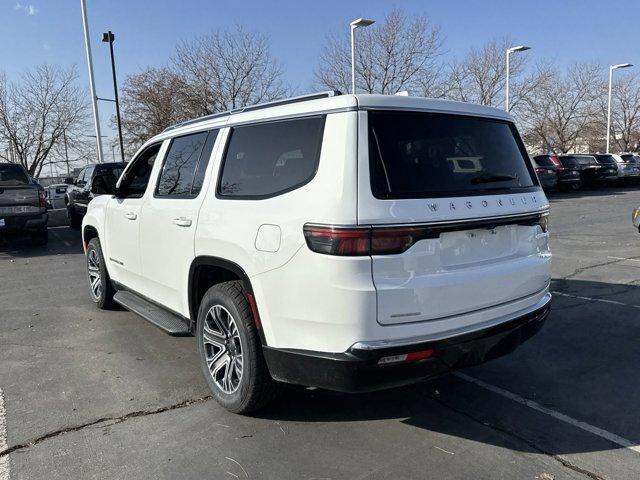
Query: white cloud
[28,9]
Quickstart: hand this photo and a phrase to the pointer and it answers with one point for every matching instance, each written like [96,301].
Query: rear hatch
[17,194]
[458,218]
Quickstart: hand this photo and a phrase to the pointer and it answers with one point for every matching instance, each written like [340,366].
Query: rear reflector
[406,357]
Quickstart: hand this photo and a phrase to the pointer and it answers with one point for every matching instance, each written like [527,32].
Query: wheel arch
[207,271]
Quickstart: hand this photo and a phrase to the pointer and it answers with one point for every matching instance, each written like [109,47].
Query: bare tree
[226,70]
[396,54]
[625,114]
[151,101]
[480,77]
[559,114]
[45,104]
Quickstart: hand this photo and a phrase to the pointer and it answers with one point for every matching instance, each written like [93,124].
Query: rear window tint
[608,159]
[269,159]
[418,155]
[12,175]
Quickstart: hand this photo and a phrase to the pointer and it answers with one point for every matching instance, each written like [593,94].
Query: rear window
[628,158]
[269,159]
[12,175]
[569,161]
[607,159]
[418,155]
[544,161]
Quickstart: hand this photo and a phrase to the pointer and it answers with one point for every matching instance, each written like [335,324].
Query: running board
[161,318]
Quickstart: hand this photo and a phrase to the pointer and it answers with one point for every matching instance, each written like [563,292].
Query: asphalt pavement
[90,394]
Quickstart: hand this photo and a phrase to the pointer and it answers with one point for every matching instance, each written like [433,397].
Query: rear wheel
[231,351]
[100,287]
[75,220]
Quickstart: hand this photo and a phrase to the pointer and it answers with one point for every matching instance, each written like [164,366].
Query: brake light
[555,160]
[41,199]
[362,241]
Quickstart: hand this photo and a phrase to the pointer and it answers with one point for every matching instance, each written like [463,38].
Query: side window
[88,173]
[135,182]
[269,159]
[80,182]
[183,164]
[198,179]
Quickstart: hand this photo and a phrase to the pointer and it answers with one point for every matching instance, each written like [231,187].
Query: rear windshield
[569,161]
[628,158]
[608,159]
[544,161]
[419,155]
[12,175]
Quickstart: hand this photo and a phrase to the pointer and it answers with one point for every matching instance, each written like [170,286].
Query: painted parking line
[591,299]
[4,460]
[625,259]
[612,437]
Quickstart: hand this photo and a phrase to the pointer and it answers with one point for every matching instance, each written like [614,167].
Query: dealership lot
[94,394]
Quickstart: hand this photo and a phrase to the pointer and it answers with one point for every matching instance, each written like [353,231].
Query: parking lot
[90,394]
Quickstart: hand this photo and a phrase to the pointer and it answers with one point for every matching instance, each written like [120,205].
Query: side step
[161,318]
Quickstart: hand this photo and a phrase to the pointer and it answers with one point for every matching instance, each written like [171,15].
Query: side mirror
[69,181]
[104,184]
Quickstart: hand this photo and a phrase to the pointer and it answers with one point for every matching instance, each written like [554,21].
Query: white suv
[348,242]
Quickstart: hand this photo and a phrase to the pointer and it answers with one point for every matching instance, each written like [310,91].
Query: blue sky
[36,31]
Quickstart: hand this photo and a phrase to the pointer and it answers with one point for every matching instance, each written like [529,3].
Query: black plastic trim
[219,263]
[359,371]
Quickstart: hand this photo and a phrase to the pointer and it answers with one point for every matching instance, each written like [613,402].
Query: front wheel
[231,352]
[100,287]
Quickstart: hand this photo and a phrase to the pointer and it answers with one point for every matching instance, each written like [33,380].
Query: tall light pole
[611,69]
[360,22]
[92,85]
[519,48]
[109,37]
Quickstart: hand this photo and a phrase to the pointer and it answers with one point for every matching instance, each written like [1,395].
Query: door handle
[182,222]
[130,216]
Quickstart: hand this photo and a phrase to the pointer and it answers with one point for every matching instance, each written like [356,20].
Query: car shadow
[62,240]
[580,365]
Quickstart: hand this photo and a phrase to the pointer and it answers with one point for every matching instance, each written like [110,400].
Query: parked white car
[348,242]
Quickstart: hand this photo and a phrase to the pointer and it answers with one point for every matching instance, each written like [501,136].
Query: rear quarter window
[269,159]
[421,155]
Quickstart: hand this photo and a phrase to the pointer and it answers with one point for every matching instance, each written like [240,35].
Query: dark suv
[568,175]
[92,180]
[591,172]
[23,207]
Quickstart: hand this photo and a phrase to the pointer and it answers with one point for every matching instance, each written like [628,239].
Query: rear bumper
[357,370]
[21,222]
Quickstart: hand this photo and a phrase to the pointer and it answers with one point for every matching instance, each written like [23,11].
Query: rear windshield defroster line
[427,155]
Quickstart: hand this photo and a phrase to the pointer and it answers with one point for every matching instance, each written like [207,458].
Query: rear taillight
[544,222]
[406,357]
[362,241]
[42,200]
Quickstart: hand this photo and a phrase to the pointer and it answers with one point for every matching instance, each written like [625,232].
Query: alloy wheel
[223,349]
[95,278]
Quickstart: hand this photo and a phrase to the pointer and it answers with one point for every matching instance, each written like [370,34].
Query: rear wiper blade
[493,179]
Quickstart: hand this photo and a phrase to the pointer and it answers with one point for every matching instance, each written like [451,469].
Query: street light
[519,48]
[611,69]
[360,22]
[109,37]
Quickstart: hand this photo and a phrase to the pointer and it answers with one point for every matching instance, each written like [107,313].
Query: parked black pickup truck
[23,207]
[92,180]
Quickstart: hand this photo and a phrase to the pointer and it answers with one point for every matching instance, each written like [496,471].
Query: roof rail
[259,106]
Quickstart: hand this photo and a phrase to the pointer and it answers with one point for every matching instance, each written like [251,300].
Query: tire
[228,341]
[40,238]
[100,288]
[75,220]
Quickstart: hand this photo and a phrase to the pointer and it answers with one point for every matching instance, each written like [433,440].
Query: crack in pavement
[580,270]
[114,419]
[563,461]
